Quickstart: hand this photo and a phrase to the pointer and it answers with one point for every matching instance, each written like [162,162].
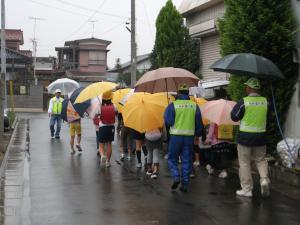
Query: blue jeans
[181,146]
[55,119]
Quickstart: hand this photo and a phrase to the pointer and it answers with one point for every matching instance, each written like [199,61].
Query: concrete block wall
[31,102]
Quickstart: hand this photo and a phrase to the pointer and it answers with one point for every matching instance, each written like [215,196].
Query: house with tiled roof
[84,60]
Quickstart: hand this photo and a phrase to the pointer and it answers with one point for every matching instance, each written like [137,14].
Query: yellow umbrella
[144,112]
[118,96]
[94,90]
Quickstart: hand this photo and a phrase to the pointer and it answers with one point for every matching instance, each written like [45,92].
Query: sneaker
[103,160]
[244,193]
[128,157]
[139,165]
[175,185]
[107,164]
[184,188]
[179,160]
[154,176]
[166,156]
[52,136]
[209,169]
[122,157]
[192,175]
[149,173]
[79,148]
[196,164]
[73,151]
[57,137]
[265,189]
[223,174]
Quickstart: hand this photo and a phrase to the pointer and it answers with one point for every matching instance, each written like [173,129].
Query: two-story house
[84,60]
[201,20]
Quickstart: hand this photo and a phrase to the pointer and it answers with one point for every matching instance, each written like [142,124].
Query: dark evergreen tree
[262,27]
[173,45]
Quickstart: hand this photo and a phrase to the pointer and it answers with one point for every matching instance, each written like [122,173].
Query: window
[97,58]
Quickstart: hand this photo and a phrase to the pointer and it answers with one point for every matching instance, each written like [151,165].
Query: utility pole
[93,26]
[133,45]
[34,46]
[3,72]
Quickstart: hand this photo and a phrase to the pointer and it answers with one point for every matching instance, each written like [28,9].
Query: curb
[4,161]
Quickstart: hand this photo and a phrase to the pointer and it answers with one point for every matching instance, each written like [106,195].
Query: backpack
[108,114]
[153,135]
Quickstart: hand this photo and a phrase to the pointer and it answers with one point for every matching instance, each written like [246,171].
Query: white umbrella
[65,85]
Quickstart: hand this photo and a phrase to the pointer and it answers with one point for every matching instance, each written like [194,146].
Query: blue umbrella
[64,109]
[79,107]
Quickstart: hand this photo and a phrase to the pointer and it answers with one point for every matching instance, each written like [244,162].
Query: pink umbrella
[218,111]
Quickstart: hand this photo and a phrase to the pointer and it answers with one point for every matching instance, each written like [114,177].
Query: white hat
[57,91]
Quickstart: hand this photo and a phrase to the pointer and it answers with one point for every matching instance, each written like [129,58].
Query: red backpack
[108,114]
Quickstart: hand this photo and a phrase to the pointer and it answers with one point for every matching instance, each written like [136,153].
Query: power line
[69,11]
[89,9]
[80,27]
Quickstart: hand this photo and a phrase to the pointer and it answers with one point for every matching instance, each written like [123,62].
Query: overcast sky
[64,20]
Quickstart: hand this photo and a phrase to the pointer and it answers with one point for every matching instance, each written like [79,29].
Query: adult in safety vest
[183,117]
[54,111]
[251,111]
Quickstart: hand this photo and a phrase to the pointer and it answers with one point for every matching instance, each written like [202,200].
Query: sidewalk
[12,176]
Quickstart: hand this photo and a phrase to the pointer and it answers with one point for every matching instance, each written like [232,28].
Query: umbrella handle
[278,123]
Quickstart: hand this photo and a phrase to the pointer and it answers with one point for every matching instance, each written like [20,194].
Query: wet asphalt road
[74,190]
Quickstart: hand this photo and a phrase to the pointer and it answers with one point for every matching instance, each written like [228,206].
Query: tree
[262,27]
[173,45]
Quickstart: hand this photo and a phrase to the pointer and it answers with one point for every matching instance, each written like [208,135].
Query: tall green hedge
[263,27]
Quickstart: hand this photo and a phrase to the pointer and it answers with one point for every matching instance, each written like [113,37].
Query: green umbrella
[248,64]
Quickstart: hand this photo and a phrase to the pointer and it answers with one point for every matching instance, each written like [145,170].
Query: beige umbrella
[165,80]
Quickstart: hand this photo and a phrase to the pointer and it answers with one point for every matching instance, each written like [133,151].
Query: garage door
[210,52]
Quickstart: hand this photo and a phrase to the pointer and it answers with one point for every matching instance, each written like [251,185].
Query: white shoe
[196,164]
[265,188]
[154,176]
[166,156]
[149,173]
[139,165]
[244,193]
[128,157]
[223,174]
[103,160]
[107,164]
[209,169]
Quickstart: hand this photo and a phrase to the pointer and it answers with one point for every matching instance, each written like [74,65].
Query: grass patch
[11,117]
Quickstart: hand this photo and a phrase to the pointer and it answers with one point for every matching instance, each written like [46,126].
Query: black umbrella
[255,66]
[248,64]
[80,108]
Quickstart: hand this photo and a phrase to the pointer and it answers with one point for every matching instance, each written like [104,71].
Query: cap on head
[183,87]
[107,95]
[253,83]
[57,91]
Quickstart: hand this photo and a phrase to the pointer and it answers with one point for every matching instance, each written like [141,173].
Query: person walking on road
[75,129]
[252,112]
[54,111]
[184,119]
[106,128]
